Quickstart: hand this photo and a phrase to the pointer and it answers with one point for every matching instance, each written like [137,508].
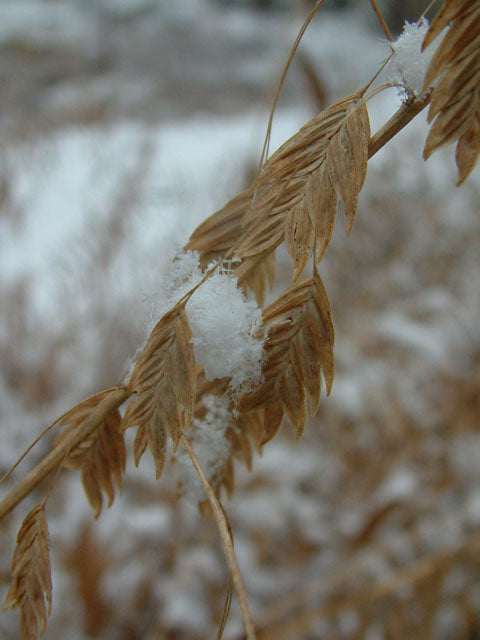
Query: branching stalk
[48,464]
[397,122]
[223,529]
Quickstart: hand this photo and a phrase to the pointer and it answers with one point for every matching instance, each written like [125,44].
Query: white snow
[210,445]
[409,63]
[226,326]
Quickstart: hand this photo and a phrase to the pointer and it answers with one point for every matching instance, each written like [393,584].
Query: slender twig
[381,20]
[226,608]
[36,441]
[225,535]
[293,50]
[48,464]
[397,122]
[430,5]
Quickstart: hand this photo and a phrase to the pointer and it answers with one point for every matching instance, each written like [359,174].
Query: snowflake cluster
[409,63]
[225,324]
[211,447]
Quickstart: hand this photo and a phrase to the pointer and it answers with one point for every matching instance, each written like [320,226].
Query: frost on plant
[211,447]
[409,63]
[225,324]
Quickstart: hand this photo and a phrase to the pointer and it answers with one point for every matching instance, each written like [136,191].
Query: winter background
[124,124]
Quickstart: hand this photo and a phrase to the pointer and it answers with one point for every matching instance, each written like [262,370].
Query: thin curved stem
[225,535]
[55,457]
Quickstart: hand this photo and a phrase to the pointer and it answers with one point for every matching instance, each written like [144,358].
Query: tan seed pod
[31,585]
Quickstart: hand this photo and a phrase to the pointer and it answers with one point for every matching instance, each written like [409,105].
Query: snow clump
[409,63]
[225,324]
[211,447]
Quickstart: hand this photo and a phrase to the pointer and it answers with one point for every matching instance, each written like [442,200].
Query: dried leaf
[164,381]
[321,200]
[257,274]
[450,10]
[101,456]
[286,199]
[347,158]
[462,16]
[298,348]
[140,444]
[468,149]
[88,560]
[455,102]
[272,416]
[292,398]
[298,237]
[31,587]
[218,233]
[252,424]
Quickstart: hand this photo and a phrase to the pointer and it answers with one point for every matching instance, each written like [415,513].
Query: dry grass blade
[347,159]
[299,347]
[226,609]
[163,381]
[455,102]
[31,587]
[257,273]
[110,402]
[291,56]
[291,198]
[261,278]
[101,456]
[226,536]
[219,233]
[449,12]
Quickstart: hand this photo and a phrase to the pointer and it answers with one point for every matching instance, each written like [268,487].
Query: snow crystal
[210,445]
[409,63]
[225,324]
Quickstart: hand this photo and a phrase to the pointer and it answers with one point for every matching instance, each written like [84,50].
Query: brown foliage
[299,347]
[88,560]
[455,103]
[31,587]
[163,381]
[101,456]
[295,196]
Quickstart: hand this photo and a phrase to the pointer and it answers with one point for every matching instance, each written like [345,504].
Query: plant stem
[226,541]
[381,20]
[397,122]
[55,457]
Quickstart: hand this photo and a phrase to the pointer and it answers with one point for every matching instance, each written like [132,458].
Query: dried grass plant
[293,201]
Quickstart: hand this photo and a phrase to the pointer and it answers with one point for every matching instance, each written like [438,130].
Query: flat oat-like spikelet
[455,103]
[218,233]
[31,587]
[295,196]
[244,430]
[298,347]
[257,273]
[163,382]
[101,456]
